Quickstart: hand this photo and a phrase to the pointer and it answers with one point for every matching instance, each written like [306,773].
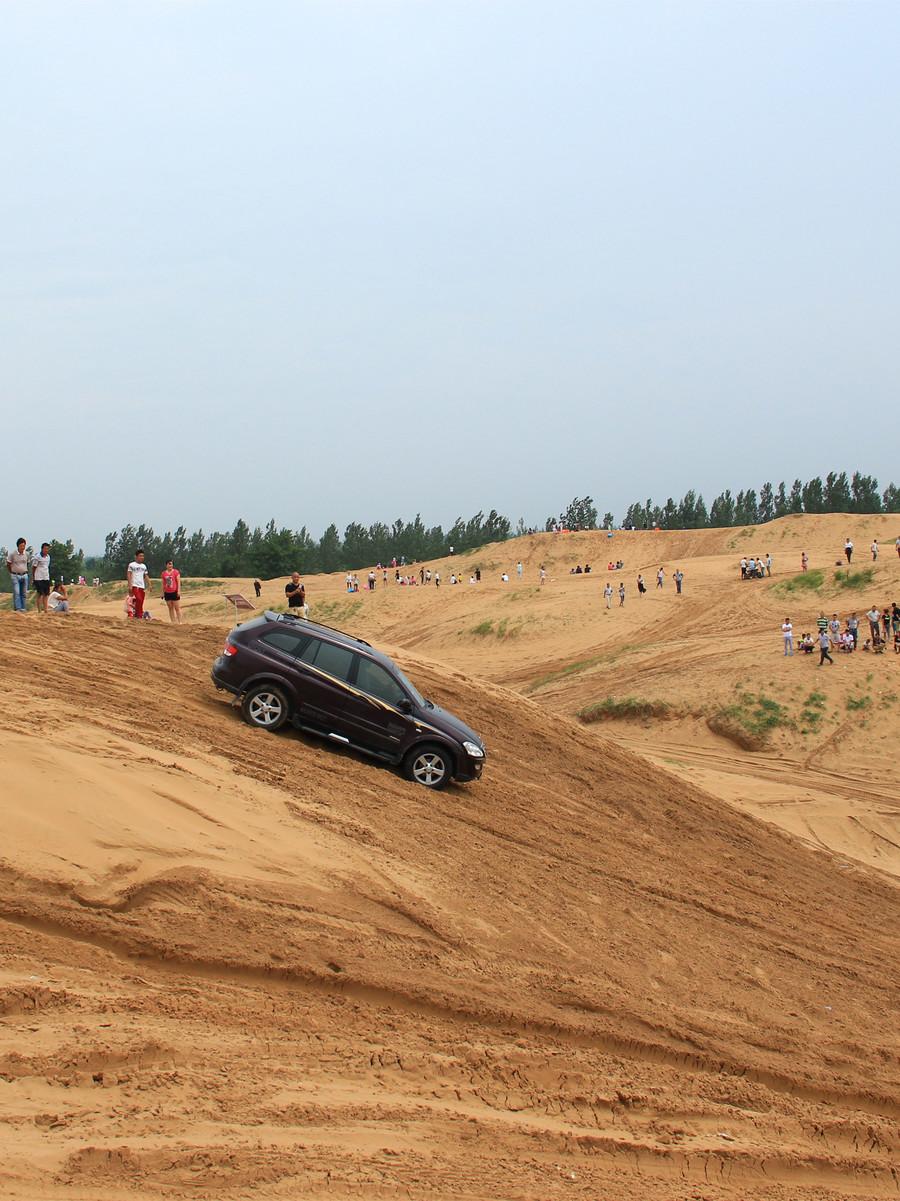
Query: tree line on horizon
[274,551]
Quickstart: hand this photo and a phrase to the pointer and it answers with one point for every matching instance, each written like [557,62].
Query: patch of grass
[816,700]
[331,612]
[570,670]
[758,715]
[858,702]
[854,579]
[200,585]
[806,581]
[486,627]
[112,590]
[630,707]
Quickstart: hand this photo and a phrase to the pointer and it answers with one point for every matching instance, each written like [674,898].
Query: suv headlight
[473,749]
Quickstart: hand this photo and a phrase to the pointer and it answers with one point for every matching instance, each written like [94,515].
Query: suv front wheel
[265,706]
[429,765]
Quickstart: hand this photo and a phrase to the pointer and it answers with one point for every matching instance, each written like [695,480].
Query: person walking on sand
[40,577]
[622,594]
[848,551]
[804,560]
[874,549]
[824,644]
[787,632]
[641,586]
[543,575]
[138,578]
[519,569]
[678,577]
[17,566]
[171,586]
[257,588]
[607,594]
[660,575]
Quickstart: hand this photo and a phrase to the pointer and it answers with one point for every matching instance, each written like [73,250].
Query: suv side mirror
[405,706]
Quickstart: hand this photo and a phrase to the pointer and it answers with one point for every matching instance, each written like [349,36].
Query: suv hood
[451,725]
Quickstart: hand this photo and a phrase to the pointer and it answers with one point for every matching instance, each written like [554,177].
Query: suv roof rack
[321,625]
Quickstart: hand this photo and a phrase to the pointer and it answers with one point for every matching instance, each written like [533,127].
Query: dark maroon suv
[286,669]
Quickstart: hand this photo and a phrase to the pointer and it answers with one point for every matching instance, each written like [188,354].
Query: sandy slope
[242,965]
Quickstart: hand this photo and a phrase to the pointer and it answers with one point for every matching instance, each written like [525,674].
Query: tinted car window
[336,660]
[293,644]
[373,679]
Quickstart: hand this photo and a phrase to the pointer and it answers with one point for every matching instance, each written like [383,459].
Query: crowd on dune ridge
[51,595]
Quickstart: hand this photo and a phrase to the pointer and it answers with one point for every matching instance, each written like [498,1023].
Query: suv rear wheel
[265,706]
[430,765]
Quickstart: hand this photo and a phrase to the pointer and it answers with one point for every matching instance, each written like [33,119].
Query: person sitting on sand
[806,644]
[59,599]
[847,644]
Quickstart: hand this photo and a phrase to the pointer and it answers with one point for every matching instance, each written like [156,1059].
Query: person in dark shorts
[171,586]
[40,577]
[296,595]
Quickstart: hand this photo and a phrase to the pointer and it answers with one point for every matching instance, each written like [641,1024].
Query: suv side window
[291,644]
[335,660]
[373,679]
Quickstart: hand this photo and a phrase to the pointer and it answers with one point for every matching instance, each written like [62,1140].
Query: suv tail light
[230,649]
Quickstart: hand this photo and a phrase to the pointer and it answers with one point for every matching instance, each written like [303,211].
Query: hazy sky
[357,259]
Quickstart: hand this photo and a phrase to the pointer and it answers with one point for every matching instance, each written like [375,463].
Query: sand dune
[242,965]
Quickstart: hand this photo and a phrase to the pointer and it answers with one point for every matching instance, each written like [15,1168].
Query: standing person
[607,593]
[804,560]
[138,577]
[768,564]
[873,616]
[822,624]
[257,588]
[437,579]
[543,575]
[744,568]
[874,549]
[17,565]
[678,577]
[848,551]
[886,622]
[371,581]
[853,627]
[421,575]
[659,578]
[296,594]
[171,586]
[40,576]
[641,586]
[787,632]
[824,644]
[622,594]
[519,569]
[834,630]
[897,544]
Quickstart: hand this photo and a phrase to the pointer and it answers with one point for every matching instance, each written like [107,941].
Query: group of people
[884,627]
[756,567]
[873,549]
[138,576]
[35,567]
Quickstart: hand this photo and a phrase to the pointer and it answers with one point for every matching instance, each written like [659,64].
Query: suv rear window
[284,640]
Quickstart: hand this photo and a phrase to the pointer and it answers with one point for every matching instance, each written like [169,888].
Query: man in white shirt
[848,551]
[138,576]
[40,577]
[874,549]
[607,593]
